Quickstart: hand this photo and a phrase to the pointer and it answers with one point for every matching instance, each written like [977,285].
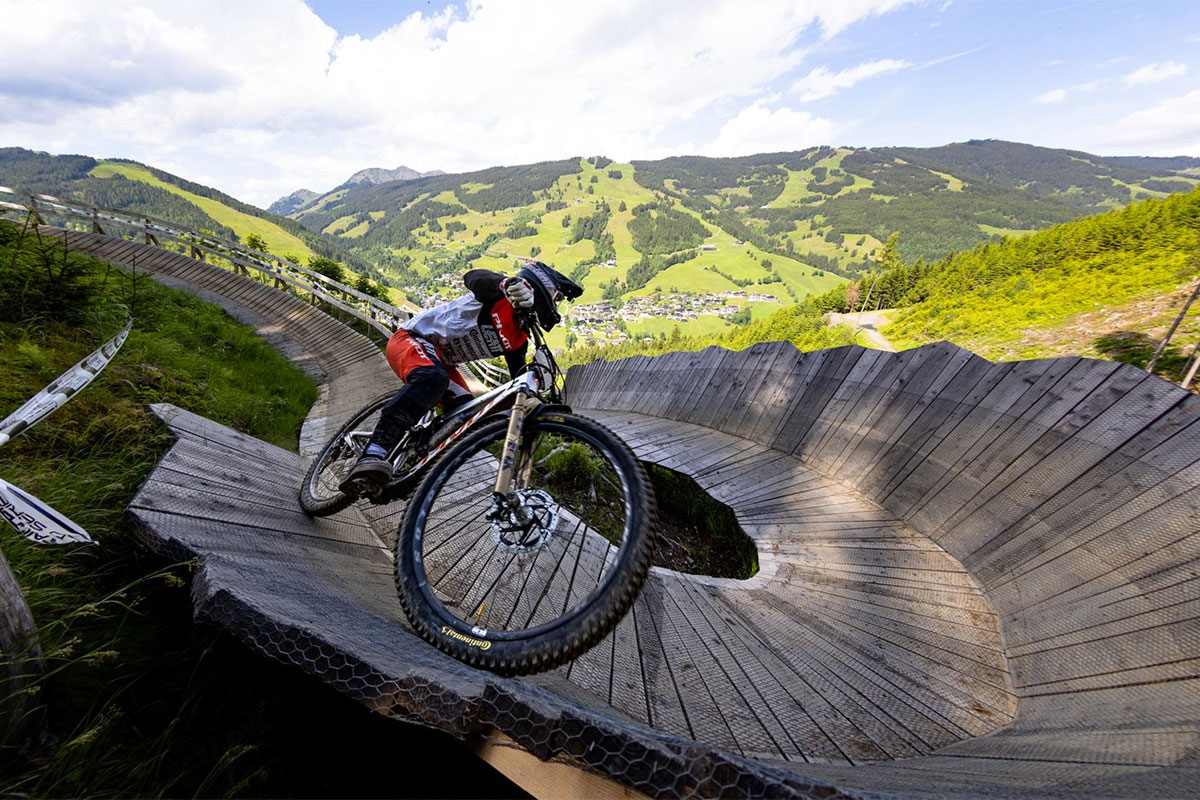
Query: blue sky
[262,98]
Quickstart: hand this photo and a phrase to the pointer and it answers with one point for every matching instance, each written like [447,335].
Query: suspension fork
[522,408]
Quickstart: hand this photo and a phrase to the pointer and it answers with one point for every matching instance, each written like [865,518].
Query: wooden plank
[825,723]
[1021,387]
[882,428]
[782,390]
[864,384]
[819,385]
[1037,435]
[744,411]
[876,470]
[1064,469]
[664,697]
[1081,527]
[545,779]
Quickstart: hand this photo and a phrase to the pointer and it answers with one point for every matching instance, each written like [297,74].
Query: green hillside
[1107,286]
[1083,287]
[242,224]
[673,242]
[706,244]
[138,188]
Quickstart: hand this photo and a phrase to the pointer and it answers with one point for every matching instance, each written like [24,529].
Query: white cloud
[823,83]
[757,129]
[265,97]
[1170,128]
[1153,73]
[1052,97]
[1056,96]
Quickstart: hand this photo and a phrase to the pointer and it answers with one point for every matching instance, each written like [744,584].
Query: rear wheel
[319,493]
[524,587]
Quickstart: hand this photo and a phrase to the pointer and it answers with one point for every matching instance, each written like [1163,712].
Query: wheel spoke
[533,565]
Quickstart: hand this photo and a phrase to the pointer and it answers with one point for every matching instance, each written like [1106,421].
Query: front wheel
[525,586]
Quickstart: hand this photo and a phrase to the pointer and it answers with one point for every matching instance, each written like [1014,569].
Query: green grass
[698,535]
[703,325]
[953,184]
[278,240]
[143,703]
[339,225]
[994,299]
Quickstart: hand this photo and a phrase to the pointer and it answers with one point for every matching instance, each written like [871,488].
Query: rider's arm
[516,360]
[485,285]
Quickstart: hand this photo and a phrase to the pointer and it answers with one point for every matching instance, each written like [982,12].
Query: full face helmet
[550,287]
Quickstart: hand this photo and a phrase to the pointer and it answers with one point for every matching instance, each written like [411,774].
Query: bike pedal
[360,489]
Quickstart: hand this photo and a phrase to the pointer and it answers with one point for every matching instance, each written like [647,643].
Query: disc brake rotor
[529,524]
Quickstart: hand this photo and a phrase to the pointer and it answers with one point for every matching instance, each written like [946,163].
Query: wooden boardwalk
[975,579]
[1067,488]
[346,364]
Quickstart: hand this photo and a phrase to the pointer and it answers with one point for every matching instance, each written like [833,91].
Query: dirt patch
[697,534]
[866,326]
[1128,332]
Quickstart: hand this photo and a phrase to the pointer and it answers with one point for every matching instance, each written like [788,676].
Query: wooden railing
[330,295]
[282,273]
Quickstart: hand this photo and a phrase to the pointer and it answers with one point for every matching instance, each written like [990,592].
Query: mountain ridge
[698,242]
[300,199]
[383,175]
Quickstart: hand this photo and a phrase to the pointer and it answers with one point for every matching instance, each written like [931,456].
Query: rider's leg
[416,362]
[423,388]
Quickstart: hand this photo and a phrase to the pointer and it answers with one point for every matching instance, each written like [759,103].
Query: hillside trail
[867,324]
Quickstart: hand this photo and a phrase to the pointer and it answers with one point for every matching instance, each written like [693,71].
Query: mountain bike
[529,529]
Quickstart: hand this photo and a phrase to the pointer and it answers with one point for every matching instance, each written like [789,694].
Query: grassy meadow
[278,240]
[139,700]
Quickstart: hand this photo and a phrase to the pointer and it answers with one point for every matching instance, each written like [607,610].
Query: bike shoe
[370,473]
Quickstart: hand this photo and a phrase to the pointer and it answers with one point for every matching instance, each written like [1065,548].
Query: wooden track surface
[976,579]
[1066,488]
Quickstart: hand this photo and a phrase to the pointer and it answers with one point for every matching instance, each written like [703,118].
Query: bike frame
[529,389]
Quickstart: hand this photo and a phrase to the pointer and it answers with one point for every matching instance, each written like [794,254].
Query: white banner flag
[62,388]
[32,518]
[37,521]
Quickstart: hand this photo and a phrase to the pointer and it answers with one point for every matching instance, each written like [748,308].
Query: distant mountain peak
[381,175]
[293,202]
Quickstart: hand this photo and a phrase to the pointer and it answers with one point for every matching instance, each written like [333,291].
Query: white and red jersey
[479,325]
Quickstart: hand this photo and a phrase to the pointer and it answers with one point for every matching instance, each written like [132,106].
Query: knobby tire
[623,568]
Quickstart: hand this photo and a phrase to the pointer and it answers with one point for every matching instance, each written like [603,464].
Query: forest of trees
[512,186]
[644,271]
[592,227]
[142,198]
[998,290]
[659,229]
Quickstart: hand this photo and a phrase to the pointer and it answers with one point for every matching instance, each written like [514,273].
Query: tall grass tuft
[134,694]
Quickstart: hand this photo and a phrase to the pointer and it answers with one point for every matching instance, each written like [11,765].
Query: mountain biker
[426,349]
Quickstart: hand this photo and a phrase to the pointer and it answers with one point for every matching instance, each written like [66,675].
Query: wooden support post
[1190,375]
[21,665]
[33,211]
[868,297]
[1174,326]
[544,778]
